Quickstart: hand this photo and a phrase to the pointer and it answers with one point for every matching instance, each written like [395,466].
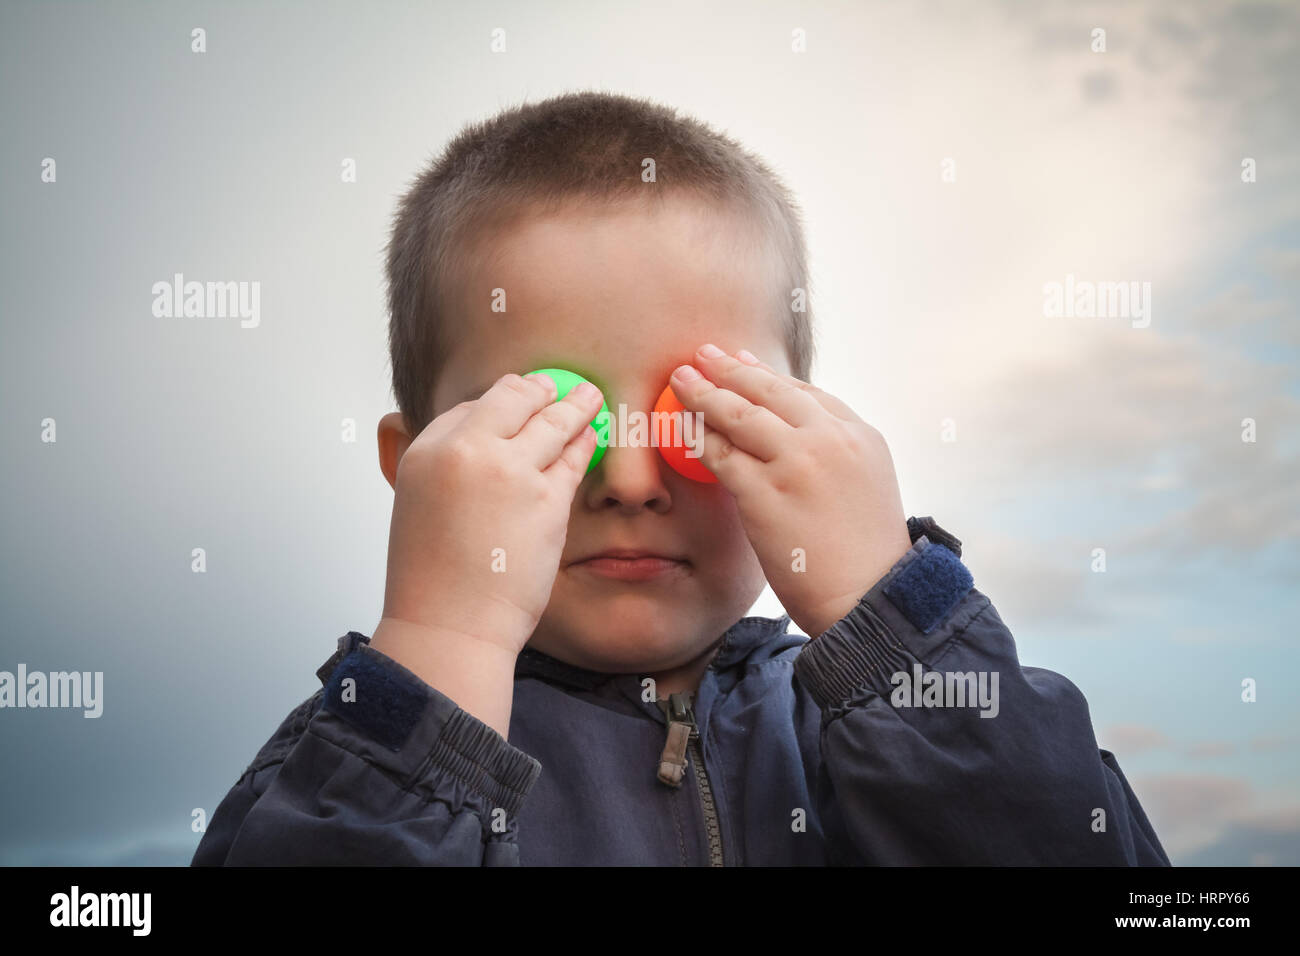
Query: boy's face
[623,294]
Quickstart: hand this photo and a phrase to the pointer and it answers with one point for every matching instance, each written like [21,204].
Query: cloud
[1282,264]
[1239,315]
[1210,749]
[1150,417]
[1132,739]
[1143,414]
[1032,593]
[1191,811]
[1176,30]
[1269,841]
[1099,86]
[1237,63]
[1197,635]
[1215,820]
[1142,738]
[135,847]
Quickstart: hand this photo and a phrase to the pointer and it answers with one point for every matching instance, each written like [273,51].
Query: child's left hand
[807,473]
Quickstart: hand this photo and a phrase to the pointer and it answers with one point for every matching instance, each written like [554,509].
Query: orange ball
[671,439]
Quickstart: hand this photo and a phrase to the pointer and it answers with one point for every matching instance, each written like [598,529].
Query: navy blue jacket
[840,750]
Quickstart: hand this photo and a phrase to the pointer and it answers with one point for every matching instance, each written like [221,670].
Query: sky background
[1071,433]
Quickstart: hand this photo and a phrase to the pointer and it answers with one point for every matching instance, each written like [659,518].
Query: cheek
[719,533]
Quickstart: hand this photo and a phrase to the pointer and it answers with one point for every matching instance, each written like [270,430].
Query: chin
[621,642]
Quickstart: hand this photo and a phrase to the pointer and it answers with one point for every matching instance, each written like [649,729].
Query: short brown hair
[585,144]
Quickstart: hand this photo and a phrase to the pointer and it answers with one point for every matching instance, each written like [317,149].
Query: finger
[570,467]
[752,428]
[511,401]
[761,387]
[736,469]
[828,401]
[551,429]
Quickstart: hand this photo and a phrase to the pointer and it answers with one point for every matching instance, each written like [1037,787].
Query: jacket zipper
[684,735]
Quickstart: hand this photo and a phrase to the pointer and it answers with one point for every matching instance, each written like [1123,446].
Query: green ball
[564,381]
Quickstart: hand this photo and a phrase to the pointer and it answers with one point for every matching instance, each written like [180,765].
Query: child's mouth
[638,568]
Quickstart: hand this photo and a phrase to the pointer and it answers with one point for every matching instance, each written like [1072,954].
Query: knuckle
[516,384]
[783,486]
[457,451]
[579,466]
[804,464]
[544,386]
[549,418]
[862,440]
[574,465]
[555,418]
[777,387]
[494,471]
[537,494]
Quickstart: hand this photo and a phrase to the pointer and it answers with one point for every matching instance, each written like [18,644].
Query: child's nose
[631,478]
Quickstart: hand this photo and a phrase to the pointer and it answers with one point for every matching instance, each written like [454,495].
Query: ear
[393,442]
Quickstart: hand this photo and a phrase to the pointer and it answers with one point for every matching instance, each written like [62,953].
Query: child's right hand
[481,510]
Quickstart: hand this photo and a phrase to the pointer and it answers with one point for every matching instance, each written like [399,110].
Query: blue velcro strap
[929,587]
[383,702]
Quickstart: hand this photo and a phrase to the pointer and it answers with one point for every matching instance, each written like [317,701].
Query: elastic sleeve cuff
[416,733]
[925,599]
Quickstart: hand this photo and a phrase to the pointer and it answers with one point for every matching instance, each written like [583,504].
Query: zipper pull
[681,727]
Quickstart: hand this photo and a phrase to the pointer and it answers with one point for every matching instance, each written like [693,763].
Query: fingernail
[711,351]
[747,357]
[687,373]
[586,390]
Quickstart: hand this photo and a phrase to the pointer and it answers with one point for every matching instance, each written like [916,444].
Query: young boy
[561,674]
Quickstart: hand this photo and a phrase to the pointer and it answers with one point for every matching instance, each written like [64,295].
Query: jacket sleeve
[986,763]
[378,768]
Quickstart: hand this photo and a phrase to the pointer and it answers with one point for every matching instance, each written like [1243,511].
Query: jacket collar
[738,642]
[741,639]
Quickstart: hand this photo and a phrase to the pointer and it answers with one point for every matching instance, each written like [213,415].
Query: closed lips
[614,556]
[630,565]
[629,554]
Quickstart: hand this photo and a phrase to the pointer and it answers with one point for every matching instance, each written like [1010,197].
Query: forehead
[618,293]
